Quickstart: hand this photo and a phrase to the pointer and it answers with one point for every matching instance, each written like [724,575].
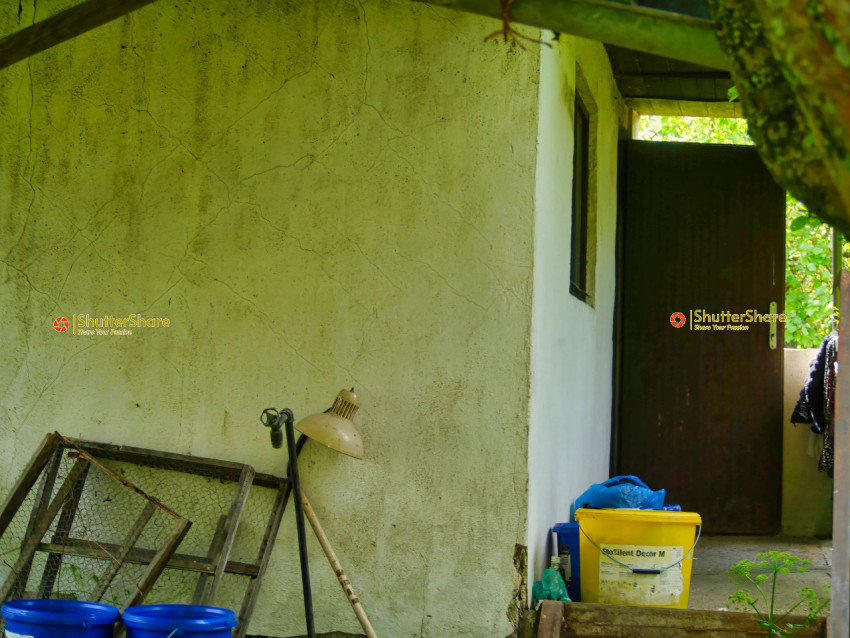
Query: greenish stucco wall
[806,492]
[316,195]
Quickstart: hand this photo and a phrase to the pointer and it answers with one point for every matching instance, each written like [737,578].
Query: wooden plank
[707,89]
[42,502]
[625,61]
[632,85]
[226,470]
[551,620]
[78,452]
[203,579]
[620,621]
[63,26]
[119,559]
[839,623]
[658,106]
[27,479]
[230,528]
[158,563]
[635,62]
[229,470]
[689,90]
[140,556]
[42,524]
[670,73]
[250,600]
[662,33]
[63,529]
[725,109]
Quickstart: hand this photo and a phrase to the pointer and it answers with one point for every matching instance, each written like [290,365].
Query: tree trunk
[791,66]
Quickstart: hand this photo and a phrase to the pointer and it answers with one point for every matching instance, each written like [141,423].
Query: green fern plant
[761,575]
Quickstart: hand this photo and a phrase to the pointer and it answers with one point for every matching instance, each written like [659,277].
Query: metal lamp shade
[334,427]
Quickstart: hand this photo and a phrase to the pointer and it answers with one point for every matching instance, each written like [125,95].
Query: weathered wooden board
[618,621]
[840,620]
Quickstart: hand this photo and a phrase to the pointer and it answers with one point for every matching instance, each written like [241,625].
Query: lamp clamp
[276,419]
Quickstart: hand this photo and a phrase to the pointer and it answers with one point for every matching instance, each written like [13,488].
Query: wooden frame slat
[27,479]
[230,526]
[212,567]
[63,529]
[139,556]
[120,558]
[226,470]
[42,502]
[250,600]
[204,578]
[43,521]
[158,563]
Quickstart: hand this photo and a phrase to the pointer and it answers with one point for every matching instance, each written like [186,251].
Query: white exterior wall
[572,342]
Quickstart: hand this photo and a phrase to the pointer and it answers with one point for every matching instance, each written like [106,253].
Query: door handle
[772,338]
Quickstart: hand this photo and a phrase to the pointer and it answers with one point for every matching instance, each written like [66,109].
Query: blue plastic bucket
[58,619]
[165,621]
[568,550]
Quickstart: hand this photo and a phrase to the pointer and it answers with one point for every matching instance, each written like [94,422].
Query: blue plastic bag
[620,492]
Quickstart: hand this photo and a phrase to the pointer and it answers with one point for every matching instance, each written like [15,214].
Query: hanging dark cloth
[817,399]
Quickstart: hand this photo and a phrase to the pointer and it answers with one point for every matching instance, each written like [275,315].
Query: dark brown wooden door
[700,411]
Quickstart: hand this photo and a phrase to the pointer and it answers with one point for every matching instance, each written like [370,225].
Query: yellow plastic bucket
[637,557]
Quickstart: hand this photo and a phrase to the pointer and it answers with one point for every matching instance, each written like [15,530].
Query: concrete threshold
[715,554]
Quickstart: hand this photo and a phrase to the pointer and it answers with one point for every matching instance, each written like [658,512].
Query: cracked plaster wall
[316,195]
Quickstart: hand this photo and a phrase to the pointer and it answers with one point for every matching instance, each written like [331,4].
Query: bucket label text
[620,585]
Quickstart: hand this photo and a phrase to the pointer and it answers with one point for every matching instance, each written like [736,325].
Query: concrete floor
[710,587]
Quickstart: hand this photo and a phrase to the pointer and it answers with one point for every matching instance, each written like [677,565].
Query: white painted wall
[572,342]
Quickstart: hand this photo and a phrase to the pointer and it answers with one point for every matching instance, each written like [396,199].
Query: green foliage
[706,130]
[808,277]
[757,577]
[808,241]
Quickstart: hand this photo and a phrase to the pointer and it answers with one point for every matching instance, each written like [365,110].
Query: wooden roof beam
[664,33]
[63,26]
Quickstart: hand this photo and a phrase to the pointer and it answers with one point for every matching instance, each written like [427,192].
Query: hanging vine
[508,33]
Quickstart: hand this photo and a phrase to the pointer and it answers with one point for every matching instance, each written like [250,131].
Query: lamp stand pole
[299,523]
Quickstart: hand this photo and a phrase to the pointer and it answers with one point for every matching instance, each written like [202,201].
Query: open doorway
[810,253]
[699,362]
[813,253]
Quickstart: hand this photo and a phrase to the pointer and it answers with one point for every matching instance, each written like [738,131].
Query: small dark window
[581,187]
